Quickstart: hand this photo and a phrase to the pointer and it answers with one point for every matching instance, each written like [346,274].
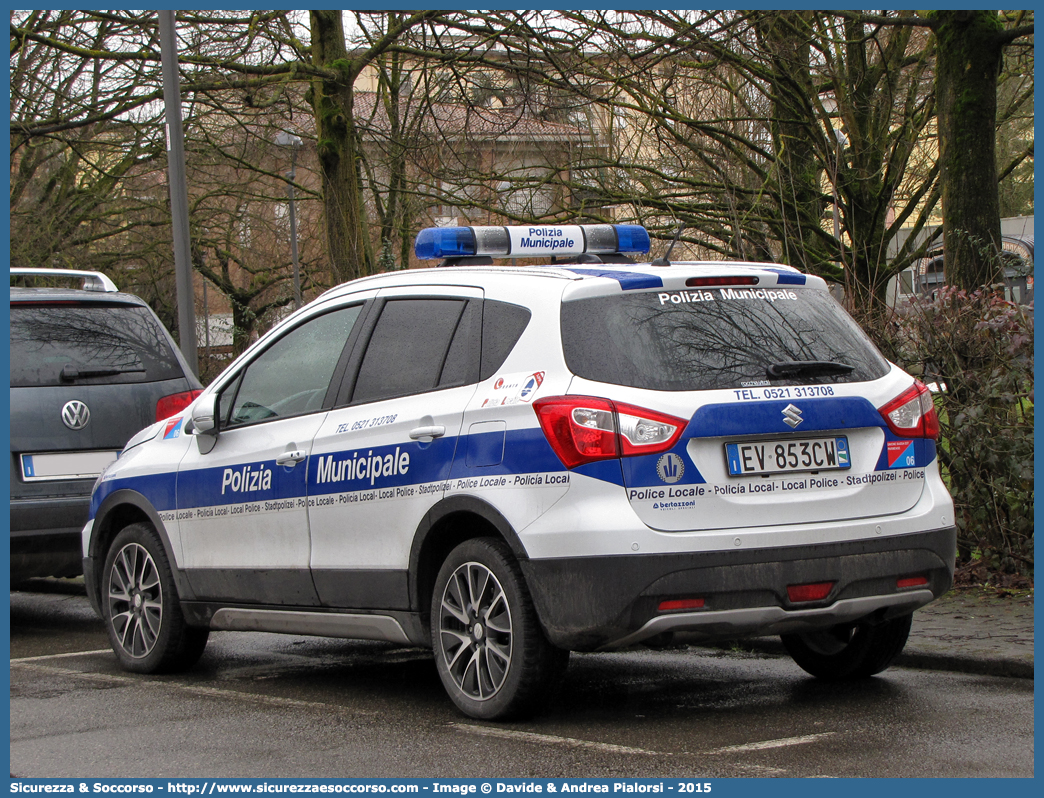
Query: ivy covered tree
[970,55]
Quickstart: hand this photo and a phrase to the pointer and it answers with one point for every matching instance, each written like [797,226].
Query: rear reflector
[680,604]
[175,403]
[912,581]
[817,591]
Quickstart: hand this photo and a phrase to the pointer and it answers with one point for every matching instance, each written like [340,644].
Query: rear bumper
[46,536]
[589,603]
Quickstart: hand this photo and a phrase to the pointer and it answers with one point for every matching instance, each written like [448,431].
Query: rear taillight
[912,413]
[176,402]
[645,431]
[581,429]
[584,429]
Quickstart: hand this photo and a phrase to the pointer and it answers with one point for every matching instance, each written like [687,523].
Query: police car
[507,463]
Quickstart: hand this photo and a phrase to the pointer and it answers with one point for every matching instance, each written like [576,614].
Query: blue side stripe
[395,465]
[787,277]
[629,281]
[526,451]
[159,489]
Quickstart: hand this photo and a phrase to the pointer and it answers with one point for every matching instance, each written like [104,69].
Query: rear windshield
[92,343]
[701,339]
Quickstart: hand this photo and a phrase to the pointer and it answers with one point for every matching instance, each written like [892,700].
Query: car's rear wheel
[850,651]
[491,653]
[140,605]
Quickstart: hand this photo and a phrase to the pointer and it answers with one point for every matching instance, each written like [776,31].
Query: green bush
[980,347]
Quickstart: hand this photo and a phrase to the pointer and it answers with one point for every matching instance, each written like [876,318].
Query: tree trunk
[338,146]
[967,66]
[786,38]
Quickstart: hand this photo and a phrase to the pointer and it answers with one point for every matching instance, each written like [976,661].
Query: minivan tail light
[584,429]
[174,403]
[912,413]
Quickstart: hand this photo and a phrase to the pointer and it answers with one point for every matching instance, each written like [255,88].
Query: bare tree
[757,129]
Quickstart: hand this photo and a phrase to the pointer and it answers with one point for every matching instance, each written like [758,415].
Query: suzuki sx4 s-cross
[509,463]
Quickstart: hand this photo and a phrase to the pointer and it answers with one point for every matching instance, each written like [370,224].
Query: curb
[1001,666]
[912,657]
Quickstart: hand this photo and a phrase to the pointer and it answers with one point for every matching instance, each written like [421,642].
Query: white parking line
[549,739]
[209,692]
[61,656]
[766,744]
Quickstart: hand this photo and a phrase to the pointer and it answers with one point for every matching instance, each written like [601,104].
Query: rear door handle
[433,431]
[290,458]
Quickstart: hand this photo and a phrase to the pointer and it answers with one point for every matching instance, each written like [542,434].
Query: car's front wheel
[490,650]
[140,605]
[851,651]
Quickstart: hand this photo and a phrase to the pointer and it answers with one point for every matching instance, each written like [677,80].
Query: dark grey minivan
[90,366]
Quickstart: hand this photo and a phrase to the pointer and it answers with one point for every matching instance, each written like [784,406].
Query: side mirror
[204,422]
[204,415]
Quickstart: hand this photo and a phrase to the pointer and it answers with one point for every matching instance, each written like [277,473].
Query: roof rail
[92,281]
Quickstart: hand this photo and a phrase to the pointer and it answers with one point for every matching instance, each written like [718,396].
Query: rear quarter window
[502,326]
[712,338]
[124,343]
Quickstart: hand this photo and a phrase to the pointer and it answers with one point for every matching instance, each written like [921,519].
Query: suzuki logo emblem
[76,414]
[792,416]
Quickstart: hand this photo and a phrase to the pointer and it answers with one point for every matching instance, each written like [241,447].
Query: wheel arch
[120,509]
[444,527]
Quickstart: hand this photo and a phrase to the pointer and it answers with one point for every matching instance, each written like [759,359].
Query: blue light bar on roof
[530,241]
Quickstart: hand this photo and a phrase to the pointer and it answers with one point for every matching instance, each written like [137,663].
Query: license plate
[65,465]
[784,456]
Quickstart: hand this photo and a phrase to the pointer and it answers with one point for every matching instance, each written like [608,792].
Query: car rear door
[381,459]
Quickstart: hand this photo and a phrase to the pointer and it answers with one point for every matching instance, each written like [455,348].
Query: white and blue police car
[508,463]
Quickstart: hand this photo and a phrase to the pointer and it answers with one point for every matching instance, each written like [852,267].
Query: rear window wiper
[807,368]
[72,373]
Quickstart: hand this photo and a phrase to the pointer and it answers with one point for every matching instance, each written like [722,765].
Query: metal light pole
[178,192]
[285,139]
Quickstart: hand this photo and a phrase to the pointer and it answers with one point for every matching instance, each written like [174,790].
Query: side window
[462,360]
[502,326]
[408,348]
[291,377]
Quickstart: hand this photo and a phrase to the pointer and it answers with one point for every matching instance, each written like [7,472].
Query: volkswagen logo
[76,414]
[792,416]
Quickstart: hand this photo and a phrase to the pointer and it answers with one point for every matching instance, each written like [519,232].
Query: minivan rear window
[701,339]
[92,343]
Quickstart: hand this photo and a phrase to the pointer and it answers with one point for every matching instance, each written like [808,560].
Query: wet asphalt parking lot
[261,705]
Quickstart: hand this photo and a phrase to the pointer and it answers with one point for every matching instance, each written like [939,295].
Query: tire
[849,652]
[490,650]
[141,609]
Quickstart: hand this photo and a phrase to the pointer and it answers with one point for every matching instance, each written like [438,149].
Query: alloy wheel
[475,633]
[135,600]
